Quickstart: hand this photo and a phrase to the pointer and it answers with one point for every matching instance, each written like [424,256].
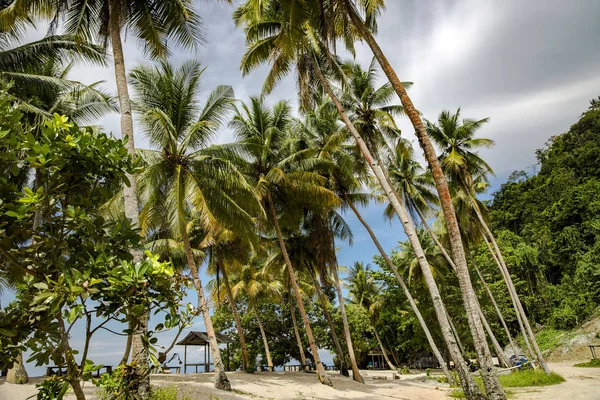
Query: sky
[530,66]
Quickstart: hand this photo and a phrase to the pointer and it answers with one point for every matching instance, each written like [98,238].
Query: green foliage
[167,393]
[530,377]
[68,261]
[595,363]
[550,224]
[52,388]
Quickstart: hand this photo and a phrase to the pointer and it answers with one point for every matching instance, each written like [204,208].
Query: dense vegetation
[551,220]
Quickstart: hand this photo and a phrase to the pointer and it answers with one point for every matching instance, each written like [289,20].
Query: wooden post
[205,347]
[185,359]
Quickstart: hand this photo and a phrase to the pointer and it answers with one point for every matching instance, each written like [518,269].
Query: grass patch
[595,363]
[530,377]
[457,394]
[548,339]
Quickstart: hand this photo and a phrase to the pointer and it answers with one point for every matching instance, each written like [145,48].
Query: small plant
[428,372]
[405,370]
[167,393]
[53,388]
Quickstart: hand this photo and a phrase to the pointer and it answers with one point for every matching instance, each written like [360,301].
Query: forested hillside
[552,221]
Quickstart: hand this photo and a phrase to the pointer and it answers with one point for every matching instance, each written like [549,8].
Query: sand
[582,383]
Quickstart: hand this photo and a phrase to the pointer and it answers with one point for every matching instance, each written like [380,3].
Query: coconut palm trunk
[383,351]
[411,300]
[236,315]
[493,299]
[323,378]
[139,347]
[338,346]
[490,379]
[501,357]
[221,380]
[515,307]
[511,288]
[468,383]
[297,335]
[486,324]
[338,287]
[264,337]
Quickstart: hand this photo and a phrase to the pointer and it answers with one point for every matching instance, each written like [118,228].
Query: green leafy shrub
[53,388]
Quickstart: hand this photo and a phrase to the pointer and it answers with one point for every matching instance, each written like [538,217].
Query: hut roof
[197,338]
[378,352]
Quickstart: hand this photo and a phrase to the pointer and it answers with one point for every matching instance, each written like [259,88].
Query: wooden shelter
[196,338]
[378,359]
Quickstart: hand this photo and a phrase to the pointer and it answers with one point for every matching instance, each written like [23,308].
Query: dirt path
[581,383]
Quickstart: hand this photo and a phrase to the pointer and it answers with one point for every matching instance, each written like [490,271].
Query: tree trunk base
[17,375]
[222,382]
[344,370]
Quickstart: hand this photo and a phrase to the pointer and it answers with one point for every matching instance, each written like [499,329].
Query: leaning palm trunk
[383,351]
[484,321]
[297,334]
[323,378]
[411,300]
[236,316]
[338,287]
[501,357]
[490,379]
[493,299]
[264,337]
[515,297]
[221,380]
[338,346]
[469,386]
[138,344]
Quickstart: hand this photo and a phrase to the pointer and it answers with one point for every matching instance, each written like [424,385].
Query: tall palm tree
[347,177]
[285,182]
[184,177]
[228,251]
[256,283]
[361,15]
[286,33]
[365,293]
[463,165]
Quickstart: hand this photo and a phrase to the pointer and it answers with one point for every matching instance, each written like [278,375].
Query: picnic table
[62,370]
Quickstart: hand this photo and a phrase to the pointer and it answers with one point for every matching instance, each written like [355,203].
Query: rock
[17,374]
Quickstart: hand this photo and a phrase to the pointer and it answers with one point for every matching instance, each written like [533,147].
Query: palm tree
[463,165]
[284,181]
[38,73]
[227,252]
[347,13]
[365,293]
[284,34]
[346,178]
[255,283]
[184,177]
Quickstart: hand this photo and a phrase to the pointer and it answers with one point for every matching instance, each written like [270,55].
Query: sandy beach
[581,383]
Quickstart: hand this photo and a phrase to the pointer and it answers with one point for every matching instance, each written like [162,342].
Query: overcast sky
[531,66]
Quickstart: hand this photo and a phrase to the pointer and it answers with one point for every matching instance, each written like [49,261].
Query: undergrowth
[595,363]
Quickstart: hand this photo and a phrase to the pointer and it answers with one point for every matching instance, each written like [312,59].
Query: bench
[169,369]
[61,370]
